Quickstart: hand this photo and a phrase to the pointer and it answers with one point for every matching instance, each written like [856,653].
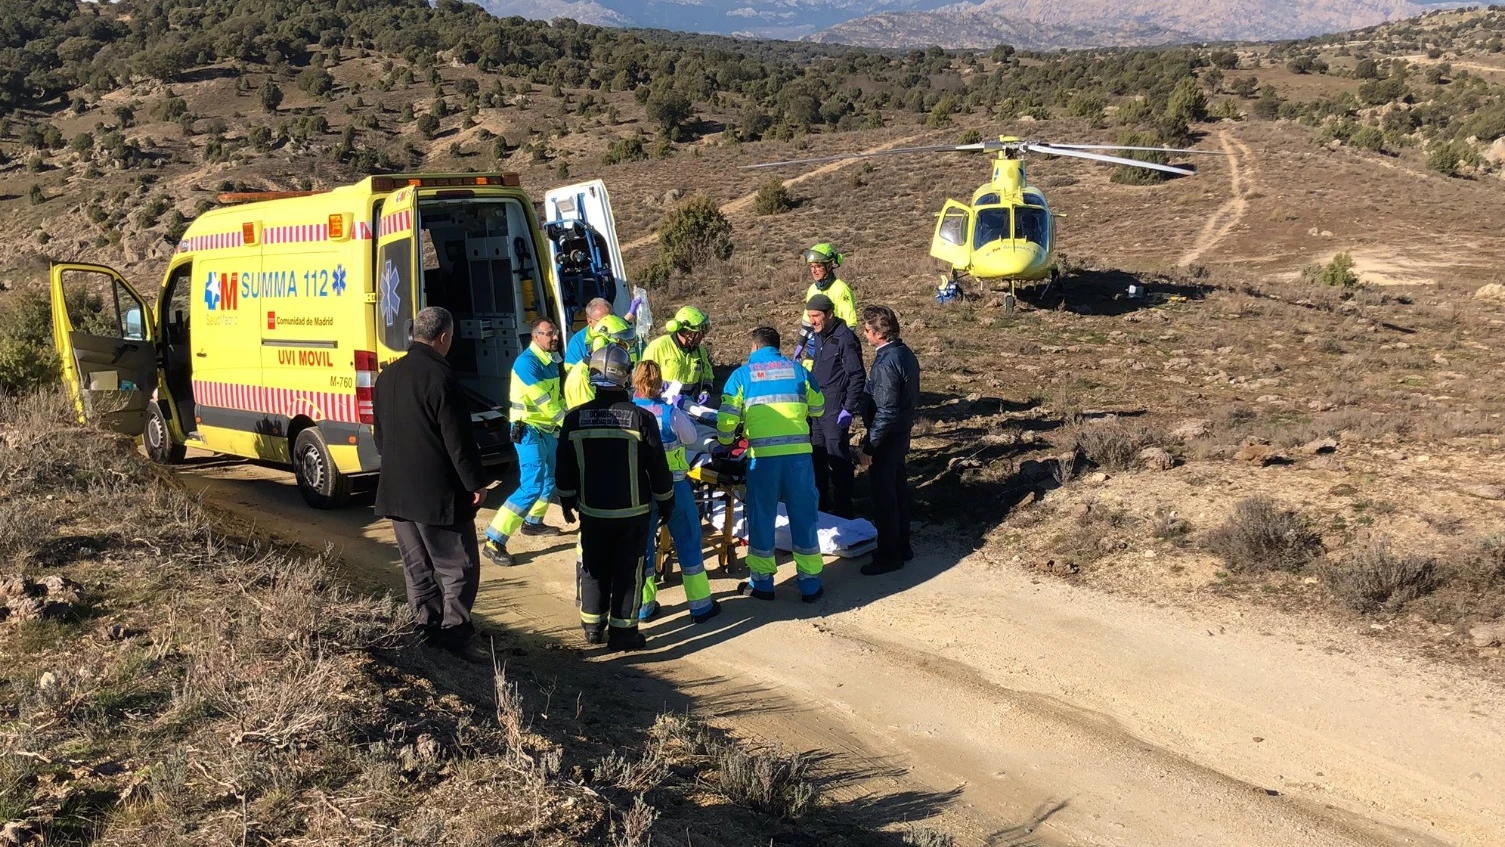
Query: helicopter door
[587,259]
[951,243]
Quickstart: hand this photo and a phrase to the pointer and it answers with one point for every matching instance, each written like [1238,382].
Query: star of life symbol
[391,292]
[339,280]
[212,292]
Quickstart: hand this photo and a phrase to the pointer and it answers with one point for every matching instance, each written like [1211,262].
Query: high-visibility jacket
[689,368]
[841,295]
[577,386]
[578,350]
[775,396]
[535,390]
[675,429]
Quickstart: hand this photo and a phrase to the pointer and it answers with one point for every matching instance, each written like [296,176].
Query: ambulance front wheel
[157,436]
[319,481]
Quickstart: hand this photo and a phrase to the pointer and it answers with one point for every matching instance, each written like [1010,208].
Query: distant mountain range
[1050,24]
[1028,24]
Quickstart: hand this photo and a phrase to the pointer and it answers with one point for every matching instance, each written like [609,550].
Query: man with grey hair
[431,483]
[578,350]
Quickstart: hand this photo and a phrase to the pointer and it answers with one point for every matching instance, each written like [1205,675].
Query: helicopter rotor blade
[1123,147]
[944,148]
[1112,160]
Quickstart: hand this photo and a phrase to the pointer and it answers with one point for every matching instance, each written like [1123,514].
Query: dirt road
[1024,710]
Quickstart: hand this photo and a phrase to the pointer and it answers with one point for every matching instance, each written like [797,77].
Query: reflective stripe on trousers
[790,479]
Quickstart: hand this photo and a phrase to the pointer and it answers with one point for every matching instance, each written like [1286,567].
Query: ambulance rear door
[576,260]
[396,273]
[105,336]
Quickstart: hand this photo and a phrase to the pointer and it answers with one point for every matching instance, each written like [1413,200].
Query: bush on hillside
[773,198]
[1338,272]
[1261,535]
[1127,175]
[694,233]
[27,361]
[628,149]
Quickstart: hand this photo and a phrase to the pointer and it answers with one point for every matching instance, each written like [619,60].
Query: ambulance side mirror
[131,327]
[407,331]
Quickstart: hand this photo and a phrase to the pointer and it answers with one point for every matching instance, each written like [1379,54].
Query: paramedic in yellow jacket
[824,260]
[537,412]
[610,329]
[772,398]
[681,354]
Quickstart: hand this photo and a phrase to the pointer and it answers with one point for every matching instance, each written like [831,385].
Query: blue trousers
[684,529]
[790,479]
[535,486]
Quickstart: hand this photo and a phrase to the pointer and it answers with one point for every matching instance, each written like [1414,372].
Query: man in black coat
[837,368]
[889,414]
[431,483]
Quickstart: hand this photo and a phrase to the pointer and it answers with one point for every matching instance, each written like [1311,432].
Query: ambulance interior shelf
[478,263]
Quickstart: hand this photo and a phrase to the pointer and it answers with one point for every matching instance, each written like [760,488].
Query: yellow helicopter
[1008,232]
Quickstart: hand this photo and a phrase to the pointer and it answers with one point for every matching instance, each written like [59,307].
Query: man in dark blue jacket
[893,395]
[836,364]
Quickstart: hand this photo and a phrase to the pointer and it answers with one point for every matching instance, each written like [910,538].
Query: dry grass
[1112,445]
[1261,536]
[209,690]
[1375,578]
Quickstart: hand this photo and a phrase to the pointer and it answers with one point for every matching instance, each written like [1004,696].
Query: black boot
[745,588]
[540,529]
[708,613]
[594,635]
[626,639]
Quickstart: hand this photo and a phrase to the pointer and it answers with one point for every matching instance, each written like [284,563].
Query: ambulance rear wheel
[157,437]
[319,481]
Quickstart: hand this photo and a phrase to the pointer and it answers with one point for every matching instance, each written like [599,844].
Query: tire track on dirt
[1231,213]
[732,207]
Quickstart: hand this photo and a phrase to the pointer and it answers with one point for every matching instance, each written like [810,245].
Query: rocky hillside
[1044,25]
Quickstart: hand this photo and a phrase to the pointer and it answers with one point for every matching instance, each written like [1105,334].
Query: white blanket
[837,536]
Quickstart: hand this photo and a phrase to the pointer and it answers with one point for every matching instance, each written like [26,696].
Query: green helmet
[611,367]
[823,254]
[689,319]
[611,329]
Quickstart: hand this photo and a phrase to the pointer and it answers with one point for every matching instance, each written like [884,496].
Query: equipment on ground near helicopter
[1008,232]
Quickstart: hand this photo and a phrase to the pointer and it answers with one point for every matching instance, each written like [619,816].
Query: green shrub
[1368,138]
[625,150]
[694,233]
[1445,159]
[1338,272]
[1126,175]
[773,198]
[27,361]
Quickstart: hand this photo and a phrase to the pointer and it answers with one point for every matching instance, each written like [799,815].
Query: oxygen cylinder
[530,300]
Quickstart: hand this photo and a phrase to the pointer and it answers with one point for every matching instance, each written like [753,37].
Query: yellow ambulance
[278,311]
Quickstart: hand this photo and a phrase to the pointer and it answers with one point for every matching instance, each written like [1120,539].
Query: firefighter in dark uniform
[610,461]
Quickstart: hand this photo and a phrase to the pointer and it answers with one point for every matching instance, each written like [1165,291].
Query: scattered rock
[1492,291]
[1488,634]
[1319,446]
[24,608]
[1191,429]
[1269,398]
[1028,436]
[47,682]
[1098,478]
[13,586]
[427,748]
[21,833]
[1155,459]
[117,632]
[974,397]
[1484,492]
[1260,454]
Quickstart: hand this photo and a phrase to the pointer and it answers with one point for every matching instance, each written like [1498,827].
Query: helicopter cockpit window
[1030,224]
[986,200]
[992,224]
[953,227]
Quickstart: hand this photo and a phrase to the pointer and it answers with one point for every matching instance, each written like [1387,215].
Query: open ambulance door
[396,273]
[953,230]
[105,336]
[583,250]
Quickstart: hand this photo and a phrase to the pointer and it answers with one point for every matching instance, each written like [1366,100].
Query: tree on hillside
[270,95]
[669,110]
[1187,101]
